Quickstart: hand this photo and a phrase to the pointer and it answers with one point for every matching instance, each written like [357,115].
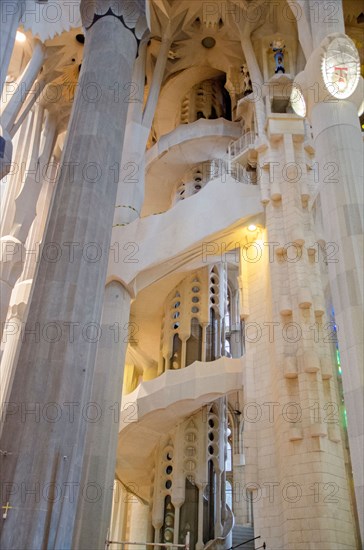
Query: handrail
[241,144]
[227,527]
[123,543]
[186,545]
[246,542]
[218,168]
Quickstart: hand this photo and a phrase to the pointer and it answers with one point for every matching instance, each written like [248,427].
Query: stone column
[339,146]
[12,254]
[301,12]
[130,195]
[20,297]
[200,543]
[14,178]
[22,87]
[10,13]
[46,447]
[256,78]
[93,517]
[339,153]
[326,17]
[12,107]
[138,522]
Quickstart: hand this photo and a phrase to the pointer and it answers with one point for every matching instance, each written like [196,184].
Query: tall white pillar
[15,177]
[13,244]
[326,17]
[21,294]
[68,294]
[10,13]
[130,195]
[18,91]
[200,543]
[338,144]
[93,517]
[139,522]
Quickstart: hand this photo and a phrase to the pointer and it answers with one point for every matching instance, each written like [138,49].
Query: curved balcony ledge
[157,405]
[218,128]
[186,146]
[153,246]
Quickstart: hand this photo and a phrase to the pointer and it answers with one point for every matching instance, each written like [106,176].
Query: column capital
[130,13]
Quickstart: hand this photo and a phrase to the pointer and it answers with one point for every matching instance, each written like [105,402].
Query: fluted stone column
[54,376]
[256,78]
[326,17]
[21,88]
[15,95]
[20,297]
[93,518]
[12,250]
[339,154]
[138,521]
[338,143]
[12,245]
[10,13]
[130,195]
[22,145]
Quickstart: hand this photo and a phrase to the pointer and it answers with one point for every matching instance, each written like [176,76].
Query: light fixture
[20,36]
[252,227]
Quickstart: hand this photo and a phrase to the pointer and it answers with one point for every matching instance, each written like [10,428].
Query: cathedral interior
[181,274]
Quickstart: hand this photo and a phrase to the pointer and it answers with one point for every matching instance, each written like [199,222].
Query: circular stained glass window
[341,67]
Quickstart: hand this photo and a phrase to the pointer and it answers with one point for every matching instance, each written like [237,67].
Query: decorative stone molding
[131,14]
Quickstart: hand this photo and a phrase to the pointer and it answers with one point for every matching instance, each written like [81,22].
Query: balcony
[194,180]
[155,406]
[241,149]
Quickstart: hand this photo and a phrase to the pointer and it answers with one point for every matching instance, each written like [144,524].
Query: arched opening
[209,504]
[167,531]
[194,342]
[175,361]
[211,337]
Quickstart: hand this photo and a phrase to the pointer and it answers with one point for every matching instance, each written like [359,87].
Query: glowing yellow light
[20,36]
[252,227]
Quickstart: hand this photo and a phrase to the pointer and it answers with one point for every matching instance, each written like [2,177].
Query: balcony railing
[219,168]
[242,144]
[158,545]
